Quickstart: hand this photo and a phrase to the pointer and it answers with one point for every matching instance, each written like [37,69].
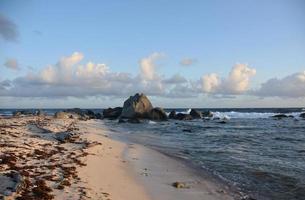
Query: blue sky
[267,39]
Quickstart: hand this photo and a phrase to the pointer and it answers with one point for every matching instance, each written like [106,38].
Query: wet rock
[122,121]
[64,136]
[10,182]
[98,116]
[195,114]
[181,116]
[158,114]
[207,114]
[187,130]
[172,114]
[90,114]
[112,113]
[302,115]
[137,106]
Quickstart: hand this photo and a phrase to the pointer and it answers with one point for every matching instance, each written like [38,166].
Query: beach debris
[137,106]
[158,114]
[180,185]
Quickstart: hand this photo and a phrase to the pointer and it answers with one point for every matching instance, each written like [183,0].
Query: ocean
[252,152]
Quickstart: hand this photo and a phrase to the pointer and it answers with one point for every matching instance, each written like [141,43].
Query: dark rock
[10,182]
[222,122]
[112,113]
[137,106]
[207,114]
[172,114]
[134,121]
[279,116]
[90,114]
[179,185]
[181,116]
[98,116]
[122,120]
[158,114]
[40,113]
[187,130]
[195,114]
[302,115]
[23,112]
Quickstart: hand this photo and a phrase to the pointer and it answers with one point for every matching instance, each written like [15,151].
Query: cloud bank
[70,76]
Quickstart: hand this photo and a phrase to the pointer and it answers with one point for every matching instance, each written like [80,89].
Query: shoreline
[92,165]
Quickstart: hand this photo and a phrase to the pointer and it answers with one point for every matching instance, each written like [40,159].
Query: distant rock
[112,113]
[23,112]
[279,116]
[40,112]
[98,116]
[158,114]
[181,116]
[137,106]
[90,114]
[172,114]
[207,114]
[302,115]
[196,114]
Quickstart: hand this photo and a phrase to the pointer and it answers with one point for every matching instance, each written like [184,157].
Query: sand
[91,165]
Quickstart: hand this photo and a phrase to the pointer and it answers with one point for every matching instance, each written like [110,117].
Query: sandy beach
[48,158]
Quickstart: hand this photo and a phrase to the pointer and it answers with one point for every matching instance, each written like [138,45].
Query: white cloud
[11,63]
[147,66]
[290,86]
[187,61]
[236,83]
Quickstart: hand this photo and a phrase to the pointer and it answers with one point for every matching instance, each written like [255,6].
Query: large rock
[302,115]
[196,114]
[137,106]
[279,116]
[10,182]
[112,113]
[158,114]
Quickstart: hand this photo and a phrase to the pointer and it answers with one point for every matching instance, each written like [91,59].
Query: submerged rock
[195,114]
[112,113]
[158,114]
[137,106]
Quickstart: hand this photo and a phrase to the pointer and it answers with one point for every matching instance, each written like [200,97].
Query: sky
[95,54]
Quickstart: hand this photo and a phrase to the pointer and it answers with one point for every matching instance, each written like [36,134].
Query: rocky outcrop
[112,113]
[62,115]
[158,114]
[302,115]
[196,114]
[172,114]
[137,106]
